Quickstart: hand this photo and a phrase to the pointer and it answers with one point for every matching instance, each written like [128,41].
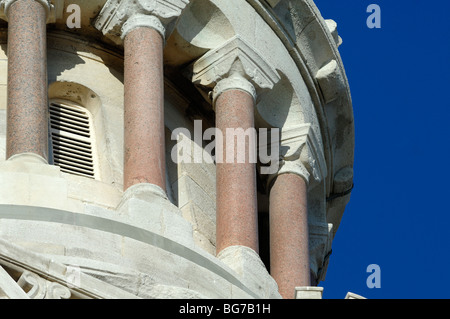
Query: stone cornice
[49,8]
[236,58]
[118,17]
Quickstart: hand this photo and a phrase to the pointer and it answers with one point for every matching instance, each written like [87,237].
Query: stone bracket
[115,13]
[330,81]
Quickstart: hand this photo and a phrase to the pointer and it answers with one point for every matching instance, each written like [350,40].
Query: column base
[147,206]
[251,270]
[28,158]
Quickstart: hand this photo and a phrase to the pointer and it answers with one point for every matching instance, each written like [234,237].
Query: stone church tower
[115,118]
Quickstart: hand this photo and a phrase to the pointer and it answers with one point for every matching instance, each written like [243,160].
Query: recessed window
[72,141]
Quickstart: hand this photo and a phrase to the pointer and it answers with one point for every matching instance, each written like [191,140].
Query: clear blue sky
[399,214]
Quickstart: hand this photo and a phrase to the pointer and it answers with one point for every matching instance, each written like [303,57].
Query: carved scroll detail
[33,286]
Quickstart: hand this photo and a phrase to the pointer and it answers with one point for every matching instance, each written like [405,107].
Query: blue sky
[398,216]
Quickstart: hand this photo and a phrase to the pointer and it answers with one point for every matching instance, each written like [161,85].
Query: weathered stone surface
[276,62]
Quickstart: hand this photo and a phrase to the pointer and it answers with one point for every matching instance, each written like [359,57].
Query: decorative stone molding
[49,8]
[118,17]
[31,286]
[9,289]
[27,275]
[39,288]
[235,59]
[301,153]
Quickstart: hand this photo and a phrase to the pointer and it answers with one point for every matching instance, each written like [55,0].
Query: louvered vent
[70,129]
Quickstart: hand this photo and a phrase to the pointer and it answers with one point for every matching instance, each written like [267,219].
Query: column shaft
[144,159]
[236,207]
[289,244]
[27,112]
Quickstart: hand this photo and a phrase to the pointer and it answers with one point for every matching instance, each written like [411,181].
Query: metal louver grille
[71,139]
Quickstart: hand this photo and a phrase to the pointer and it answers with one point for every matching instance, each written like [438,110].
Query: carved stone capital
[5,5]
[142,20]
[235,59]
[233,83]
[118,17]
[301,153]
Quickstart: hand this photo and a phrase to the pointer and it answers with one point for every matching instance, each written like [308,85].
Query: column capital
[143,20]
[301,153]
[48,6]
[235,82]
[238,62]
[118,17]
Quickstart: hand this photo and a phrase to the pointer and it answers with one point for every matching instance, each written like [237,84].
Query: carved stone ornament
[118,17]
[30,286]
[301,153]
[234,57]
[27,275]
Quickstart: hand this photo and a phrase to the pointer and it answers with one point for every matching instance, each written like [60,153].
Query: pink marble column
[288,222]
[236,206]
[27,120]
[144,160]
